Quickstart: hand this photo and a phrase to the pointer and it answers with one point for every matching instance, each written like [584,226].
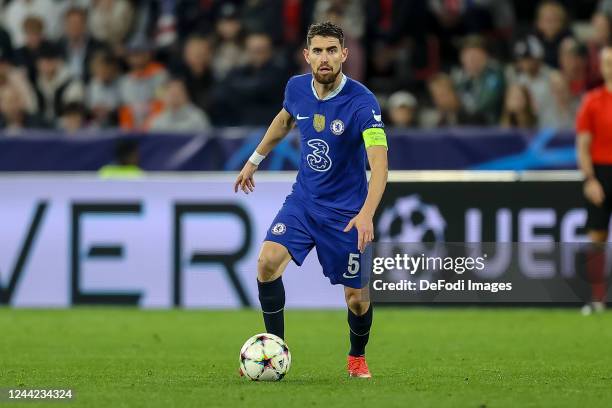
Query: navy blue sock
[360,331]
[272,299]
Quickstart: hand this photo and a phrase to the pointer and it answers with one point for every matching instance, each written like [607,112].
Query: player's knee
[268,266]
[272,261]
[355,302]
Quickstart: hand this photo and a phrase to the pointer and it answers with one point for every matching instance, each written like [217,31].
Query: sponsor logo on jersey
[318,122]
[319,159]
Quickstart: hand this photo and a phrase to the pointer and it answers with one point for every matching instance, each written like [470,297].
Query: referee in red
[594,145]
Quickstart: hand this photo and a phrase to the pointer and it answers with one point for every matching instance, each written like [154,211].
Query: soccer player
[594,145]
[331,205]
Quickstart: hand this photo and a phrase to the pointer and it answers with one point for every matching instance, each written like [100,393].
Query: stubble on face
[326,77]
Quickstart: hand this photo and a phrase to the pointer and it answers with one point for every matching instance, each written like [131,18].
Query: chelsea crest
[337,127]
[279,228]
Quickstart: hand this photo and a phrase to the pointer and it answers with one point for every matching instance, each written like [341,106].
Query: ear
[305,52]
[344,54]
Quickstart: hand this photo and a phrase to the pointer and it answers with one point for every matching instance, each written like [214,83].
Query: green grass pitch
[419,358]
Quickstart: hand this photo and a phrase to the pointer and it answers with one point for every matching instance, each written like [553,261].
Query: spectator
[179,114]
[573,65]
[139,88]
[455,19]
[26,56]
[78,44]
[402,109]
[479,81]
[252,94]
[126,164]
[18,10]
[562,109]
[530,71]
[110,21]
[73,118]
[229,52]
[16,78]
[518,108]
[196,70]
[350,12]
[14,117]
[447,109]
[102,96]
[55,87]
[602,36]
[551,29]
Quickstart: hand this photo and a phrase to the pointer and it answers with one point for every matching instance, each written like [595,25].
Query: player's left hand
[365,230]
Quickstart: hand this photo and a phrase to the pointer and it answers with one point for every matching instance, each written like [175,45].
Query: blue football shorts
[300,227]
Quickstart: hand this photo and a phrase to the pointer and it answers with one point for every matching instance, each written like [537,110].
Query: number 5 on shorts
[353,266]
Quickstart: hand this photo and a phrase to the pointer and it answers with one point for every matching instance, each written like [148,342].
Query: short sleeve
[368,113]
[287,103]
[584,121]
[369,119]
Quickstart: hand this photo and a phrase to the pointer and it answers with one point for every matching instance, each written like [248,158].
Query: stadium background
[486,87]
[122,131]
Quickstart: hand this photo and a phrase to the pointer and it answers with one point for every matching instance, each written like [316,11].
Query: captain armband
[375,137]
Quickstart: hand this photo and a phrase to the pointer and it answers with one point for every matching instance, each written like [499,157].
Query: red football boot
[357,367]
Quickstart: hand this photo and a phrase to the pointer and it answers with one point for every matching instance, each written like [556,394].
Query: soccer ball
[265,357]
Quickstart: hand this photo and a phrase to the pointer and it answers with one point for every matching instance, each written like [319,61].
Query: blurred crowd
[188,65]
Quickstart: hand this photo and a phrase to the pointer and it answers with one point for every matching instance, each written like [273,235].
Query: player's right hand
[594,192]
[245,180]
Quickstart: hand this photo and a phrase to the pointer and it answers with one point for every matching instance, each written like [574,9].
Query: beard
[325,78]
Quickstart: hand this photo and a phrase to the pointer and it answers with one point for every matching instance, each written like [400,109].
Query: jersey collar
[331,94]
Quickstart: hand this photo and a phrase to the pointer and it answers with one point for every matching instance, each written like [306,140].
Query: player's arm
[376,147]
[377,157]
[278,129]
[592,187]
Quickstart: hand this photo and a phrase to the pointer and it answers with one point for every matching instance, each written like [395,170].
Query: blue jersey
[332,173]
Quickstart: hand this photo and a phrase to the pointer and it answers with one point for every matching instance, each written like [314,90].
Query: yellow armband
[375,137]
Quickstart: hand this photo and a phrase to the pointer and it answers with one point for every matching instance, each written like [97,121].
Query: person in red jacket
[594,145]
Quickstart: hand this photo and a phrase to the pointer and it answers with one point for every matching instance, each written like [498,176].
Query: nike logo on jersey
[301,117]
[347,276]
[377,118]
